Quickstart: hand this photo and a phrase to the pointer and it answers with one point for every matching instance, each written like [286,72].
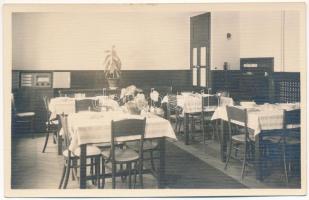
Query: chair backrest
[128,127]
[226,101]
[210,101]
[291,117]
[46,103]
[84,105]
[172,102]
[65,131]
[171,105]
[95,105]
[223,93]
[235,114]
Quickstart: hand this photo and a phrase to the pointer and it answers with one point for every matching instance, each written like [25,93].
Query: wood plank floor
[33,169]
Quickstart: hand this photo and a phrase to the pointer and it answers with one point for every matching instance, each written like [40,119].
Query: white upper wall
[261,35]
[272,34]
[222,49]
[292,41]
[77,41]
[256,34]
[145,41]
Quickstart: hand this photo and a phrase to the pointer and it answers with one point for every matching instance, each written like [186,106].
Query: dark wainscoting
[277,87]
[140,78]
[92,82]
[285,87]
[31,99]
[226,80]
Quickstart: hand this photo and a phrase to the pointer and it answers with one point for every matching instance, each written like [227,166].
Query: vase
[113,83]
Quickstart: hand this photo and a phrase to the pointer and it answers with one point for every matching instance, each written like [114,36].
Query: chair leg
[92,169]
[46,141]
[74,170]
[284,163]
[229,155]
[179,127]
[129,166]
[97,171]
[135,174]
[103,172]
[244,163]
[73,175]
[113,175]
[67,175]
[202,127]
[55,137]
[123,176]
[176,125]
[62,176]
[152,161]
[217,131]
[141,173]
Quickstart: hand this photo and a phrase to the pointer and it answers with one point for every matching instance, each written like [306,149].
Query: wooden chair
[71,158]
[209,104]
[52,125]
[235,114]
[150,146]
[126,156]
[223,93]
[22,117]
[174,112]
[288,141]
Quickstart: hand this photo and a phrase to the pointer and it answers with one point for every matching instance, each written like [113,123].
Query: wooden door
[200,50]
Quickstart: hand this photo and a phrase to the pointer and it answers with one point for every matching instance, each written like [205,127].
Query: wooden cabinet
[31,100]
[254,82]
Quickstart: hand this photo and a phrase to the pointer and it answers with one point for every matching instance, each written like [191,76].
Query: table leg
[223,143]
[186,119]
[217,131]
[59,143]
[82,171]
[161,170]
[258,157]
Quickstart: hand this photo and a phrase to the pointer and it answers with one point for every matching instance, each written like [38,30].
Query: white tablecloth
[95,127]
[226,101]
[191,103]
[66,105]
[261,117]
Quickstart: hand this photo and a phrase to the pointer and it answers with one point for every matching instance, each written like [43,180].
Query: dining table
[262,120]
[95,127]
[66,105]
[191,104]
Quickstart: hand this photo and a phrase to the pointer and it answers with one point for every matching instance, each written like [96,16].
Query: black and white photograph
[111,99]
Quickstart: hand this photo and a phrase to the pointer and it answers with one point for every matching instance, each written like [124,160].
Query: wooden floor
[210,153]
[33,169]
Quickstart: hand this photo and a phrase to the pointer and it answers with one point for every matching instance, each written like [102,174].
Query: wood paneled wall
[285,87]
[226,80]
[30,99]
[140,78]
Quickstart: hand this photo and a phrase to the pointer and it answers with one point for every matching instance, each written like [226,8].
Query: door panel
[200,47]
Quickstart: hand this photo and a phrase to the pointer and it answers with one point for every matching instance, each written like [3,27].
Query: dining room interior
[156,96]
